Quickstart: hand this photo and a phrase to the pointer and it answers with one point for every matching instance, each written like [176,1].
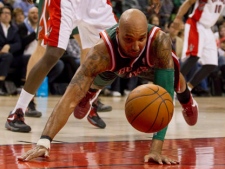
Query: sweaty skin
[132,37]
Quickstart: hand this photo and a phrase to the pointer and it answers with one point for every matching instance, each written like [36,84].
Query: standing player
[199,41]
[91,17]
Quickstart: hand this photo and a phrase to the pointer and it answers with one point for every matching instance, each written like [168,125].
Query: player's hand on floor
[38,151]
[155,156]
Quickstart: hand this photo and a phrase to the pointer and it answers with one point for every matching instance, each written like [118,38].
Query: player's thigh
[192,42]
[61,23]
[209,48]
[96,19]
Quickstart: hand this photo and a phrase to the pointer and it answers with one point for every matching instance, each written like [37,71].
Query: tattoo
[162,51]
[97,61]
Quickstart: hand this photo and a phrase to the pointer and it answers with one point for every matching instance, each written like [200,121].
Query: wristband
[44,142]
[165,79]
[47,137]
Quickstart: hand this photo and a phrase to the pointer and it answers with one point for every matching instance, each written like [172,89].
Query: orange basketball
[149,108]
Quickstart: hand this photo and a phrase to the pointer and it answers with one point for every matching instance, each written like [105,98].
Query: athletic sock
[184,97]
[1,84]
[23,101]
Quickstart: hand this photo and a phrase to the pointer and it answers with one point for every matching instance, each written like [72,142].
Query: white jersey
[207,12]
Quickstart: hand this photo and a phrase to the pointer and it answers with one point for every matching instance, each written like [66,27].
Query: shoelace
[19,116]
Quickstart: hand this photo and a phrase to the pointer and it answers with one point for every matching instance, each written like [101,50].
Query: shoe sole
[104,110]
[94,124]
[7,126]
[33,115]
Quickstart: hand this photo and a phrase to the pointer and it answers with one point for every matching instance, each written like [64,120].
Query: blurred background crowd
[21,20]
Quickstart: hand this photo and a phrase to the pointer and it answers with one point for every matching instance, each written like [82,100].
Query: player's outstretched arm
[163,76]
[97,61]
[155,154]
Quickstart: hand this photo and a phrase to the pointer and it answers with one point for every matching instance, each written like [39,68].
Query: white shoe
[116,94]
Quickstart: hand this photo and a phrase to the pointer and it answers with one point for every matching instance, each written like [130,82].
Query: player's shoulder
[162,38]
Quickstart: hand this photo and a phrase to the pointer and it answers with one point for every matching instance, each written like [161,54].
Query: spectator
[9,44]
[8,3]
[220,34]
[165,12]
[18,16]
[24,5]
[1,4]
[154,20]
[27,31]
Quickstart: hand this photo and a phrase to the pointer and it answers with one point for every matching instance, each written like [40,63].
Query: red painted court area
[204,153]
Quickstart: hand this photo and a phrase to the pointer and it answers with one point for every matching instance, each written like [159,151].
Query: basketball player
[127,49]
[91,17]
[93,117]
[199,41]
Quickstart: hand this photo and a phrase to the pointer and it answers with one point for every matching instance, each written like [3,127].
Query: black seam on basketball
[159,96]
[168,112]
[155,92]
[144,109]
[155,117]
[163,101]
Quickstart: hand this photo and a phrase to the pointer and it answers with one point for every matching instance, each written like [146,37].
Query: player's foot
[15,122]
[31,110]
[84,107]
[102,107]
[190,111]
[94,118]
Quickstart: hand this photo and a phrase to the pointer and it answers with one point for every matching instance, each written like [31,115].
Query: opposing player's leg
[57,43]
[34,58]
[15,120]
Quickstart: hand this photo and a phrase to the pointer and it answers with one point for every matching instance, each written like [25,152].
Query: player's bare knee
[52,55]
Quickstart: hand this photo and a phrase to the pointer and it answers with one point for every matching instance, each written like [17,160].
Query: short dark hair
[5,7]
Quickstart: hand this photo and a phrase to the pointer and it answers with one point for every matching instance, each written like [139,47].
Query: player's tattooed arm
[97,61]
[162,51]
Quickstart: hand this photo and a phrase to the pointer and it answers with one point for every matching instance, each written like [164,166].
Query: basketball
[149,108]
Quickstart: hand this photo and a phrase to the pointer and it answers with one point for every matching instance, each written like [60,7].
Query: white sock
[23,101]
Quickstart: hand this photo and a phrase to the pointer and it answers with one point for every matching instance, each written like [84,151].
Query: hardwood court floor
[118,146]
